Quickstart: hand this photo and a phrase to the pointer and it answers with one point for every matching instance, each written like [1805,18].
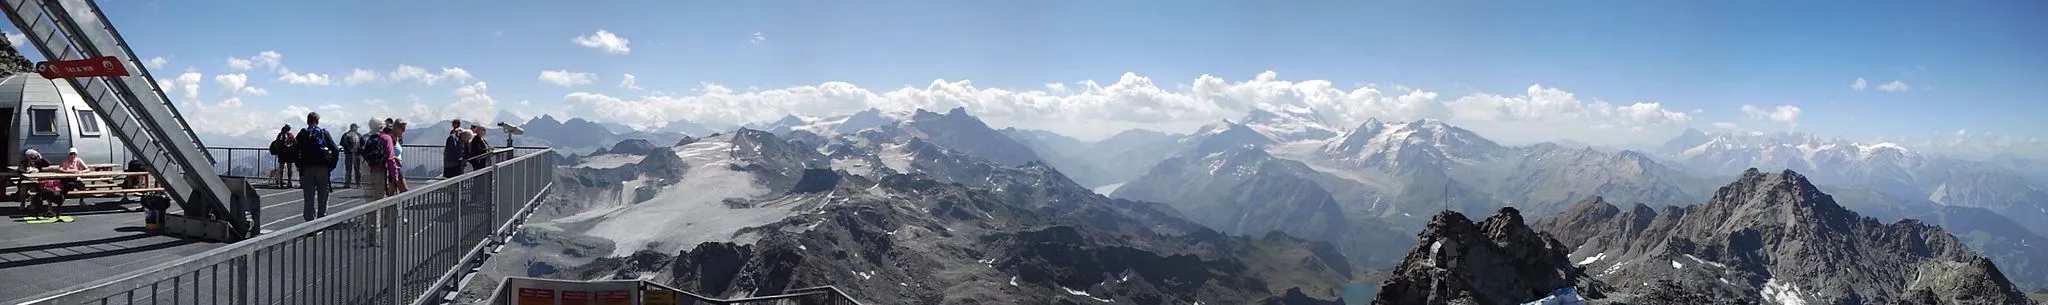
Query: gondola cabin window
[43,121]
[88,124]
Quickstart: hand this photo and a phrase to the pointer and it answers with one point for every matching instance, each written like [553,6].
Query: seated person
[47,193]
[73,164]
[32,161]
[135,181]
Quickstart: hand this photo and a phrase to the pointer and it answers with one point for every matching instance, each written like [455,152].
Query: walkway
[107,240]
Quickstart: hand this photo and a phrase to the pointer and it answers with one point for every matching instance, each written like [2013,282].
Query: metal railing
[421,162]
[822,295]
[525,290]
[406,249]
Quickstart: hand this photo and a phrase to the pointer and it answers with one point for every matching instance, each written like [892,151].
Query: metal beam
[140,113]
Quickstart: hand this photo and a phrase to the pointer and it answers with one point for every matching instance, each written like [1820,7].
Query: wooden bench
[97,184]
[127,191]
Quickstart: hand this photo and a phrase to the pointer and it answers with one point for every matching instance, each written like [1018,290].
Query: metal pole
[390,220]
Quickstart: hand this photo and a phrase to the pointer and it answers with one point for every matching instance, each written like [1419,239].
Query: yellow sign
[659,297]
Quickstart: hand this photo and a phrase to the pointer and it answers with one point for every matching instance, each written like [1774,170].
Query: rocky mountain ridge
[1776,239]
[1889,167]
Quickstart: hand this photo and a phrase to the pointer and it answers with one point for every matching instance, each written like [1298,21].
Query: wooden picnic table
[106,167]
[99,183]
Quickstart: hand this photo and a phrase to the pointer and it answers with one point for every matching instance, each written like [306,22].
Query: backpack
[314,145]
[278,146]
[283,150]
[374,150]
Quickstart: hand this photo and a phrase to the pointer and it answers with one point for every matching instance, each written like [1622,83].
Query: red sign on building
[108,66]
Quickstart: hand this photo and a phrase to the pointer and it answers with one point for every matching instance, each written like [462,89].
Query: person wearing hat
[73,164]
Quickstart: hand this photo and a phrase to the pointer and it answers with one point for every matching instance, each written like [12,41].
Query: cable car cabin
[49,116]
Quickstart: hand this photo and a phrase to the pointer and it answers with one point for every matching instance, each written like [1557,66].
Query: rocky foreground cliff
[1496,261]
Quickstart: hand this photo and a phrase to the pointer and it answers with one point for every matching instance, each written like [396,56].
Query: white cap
[74,150]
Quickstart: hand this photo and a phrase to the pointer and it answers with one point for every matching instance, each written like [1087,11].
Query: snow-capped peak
[1288,123]
[1428,141]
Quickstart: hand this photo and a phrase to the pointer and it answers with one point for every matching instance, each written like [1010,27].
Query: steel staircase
[133,107]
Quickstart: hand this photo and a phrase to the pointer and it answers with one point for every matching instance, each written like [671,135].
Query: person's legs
[322,185]
[310,203]
[373,190]
[373,184]
[351,170]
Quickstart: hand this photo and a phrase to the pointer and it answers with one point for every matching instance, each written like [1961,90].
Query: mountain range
[925,208]
[1282,180]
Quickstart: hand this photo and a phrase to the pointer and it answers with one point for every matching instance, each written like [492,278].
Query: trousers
[315,180]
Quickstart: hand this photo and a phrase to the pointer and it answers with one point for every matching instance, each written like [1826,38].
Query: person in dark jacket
[479,151]
[453,150]
[317,156]
[281,147]
[349,141]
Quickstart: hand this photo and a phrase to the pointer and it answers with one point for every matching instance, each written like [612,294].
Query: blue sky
[1975,65]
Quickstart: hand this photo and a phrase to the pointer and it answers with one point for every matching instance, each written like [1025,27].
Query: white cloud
[1091,109]
[565,78]
[1894,86]
[155,62]
[16,39]
[405,73]
[359,76]
[472,103]
[187,83]
[1859,84]
[265,59]
[605,41]
[1727,126]
[237,83]
[628,82]
[1783,114]
[758,39]
[310,79]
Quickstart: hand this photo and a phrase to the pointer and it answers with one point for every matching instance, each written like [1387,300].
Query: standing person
[349,149]
[479,151]
[281,148]
[317,156]
[395,171]
[373,155]
[453,150]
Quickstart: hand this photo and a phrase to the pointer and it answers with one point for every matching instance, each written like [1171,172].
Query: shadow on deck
[107,239]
